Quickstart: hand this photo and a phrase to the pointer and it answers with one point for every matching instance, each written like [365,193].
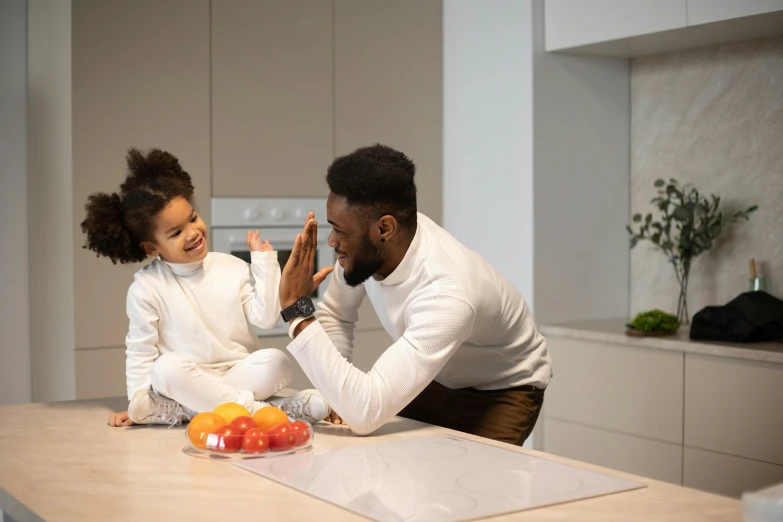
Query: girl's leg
[264,372]
[184,381]
[268,371]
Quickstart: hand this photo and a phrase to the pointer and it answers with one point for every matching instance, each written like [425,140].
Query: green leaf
[637,218]
[628,229]
[634,241]
[680,214]
[659,182]
[655,321]
[752,209]
[667,245]
[648,219]
[656,238]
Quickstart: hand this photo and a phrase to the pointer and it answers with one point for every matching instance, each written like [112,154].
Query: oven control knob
[276,214]
[252,214]
[300,213]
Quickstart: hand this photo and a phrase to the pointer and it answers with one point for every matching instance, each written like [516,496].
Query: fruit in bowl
[227,439]
[255,440]
[202,426]
[268,417]
[230,429]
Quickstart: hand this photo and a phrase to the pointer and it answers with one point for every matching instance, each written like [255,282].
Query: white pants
[255,378]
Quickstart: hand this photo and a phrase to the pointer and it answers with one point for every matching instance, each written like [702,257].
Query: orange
[268,417]
[202,426]
[229,411]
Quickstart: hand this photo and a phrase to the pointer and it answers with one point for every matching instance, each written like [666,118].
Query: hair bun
[154,172]
[106,234]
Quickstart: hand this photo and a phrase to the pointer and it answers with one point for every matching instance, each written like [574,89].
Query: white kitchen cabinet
[708,11]
[633,391]
[388,85]
[272,97]
[573,23]
[637,455]
[732,407]
[715,402]
[140,78]
[727,475]
[631,28]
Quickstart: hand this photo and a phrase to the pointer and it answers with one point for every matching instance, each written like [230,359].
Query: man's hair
[378,180]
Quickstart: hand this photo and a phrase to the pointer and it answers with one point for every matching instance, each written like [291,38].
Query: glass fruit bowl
[210,437]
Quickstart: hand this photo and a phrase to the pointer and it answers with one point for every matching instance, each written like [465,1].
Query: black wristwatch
[302,307]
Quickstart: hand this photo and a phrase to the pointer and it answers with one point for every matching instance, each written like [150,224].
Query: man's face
[350,238]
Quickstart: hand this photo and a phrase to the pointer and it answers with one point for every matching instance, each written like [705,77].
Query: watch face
[305,306]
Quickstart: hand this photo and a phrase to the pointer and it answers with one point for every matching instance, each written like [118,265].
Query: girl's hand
[119,419]
[255,244]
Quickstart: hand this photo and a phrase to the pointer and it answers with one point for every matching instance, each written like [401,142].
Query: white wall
[50,199]
[487,133]
[581,129]
[14,276]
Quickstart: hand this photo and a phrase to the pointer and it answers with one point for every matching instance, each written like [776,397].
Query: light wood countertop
[612,331]
[62,462]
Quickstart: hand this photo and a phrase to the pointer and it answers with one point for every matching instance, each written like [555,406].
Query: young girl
[190,309]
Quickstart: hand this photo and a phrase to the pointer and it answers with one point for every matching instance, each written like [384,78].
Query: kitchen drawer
[619,388]
[727,475]
[648,458]
[732,407]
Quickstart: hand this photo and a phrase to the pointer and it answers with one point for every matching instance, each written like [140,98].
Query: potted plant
[688,226]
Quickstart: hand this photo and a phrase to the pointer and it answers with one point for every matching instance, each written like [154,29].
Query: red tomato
[243,424]
[255,440]
[225,440]
[282,437]
[302,432]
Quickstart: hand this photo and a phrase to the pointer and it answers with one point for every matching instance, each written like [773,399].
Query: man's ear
[150,248]
[387,228]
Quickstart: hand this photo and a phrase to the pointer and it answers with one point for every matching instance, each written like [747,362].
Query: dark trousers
[505,415]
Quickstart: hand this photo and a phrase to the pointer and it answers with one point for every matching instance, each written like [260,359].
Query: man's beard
[367,262]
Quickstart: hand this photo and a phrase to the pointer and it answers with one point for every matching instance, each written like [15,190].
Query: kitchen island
[62,462]
[699,414]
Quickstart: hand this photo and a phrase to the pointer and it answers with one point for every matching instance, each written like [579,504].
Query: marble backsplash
[711,117]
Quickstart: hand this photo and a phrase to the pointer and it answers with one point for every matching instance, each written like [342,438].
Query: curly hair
[117,223]
[379,180]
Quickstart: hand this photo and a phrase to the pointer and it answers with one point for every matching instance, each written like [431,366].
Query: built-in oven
[279,220]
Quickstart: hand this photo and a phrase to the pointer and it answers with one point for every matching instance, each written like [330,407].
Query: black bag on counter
[752,317]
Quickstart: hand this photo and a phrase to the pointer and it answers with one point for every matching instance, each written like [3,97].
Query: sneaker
[307,405]
[148,407]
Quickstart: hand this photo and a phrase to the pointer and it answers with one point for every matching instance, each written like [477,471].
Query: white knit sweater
[453,318]
[202,309]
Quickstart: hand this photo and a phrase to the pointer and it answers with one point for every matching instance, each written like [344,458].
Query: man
[467,354]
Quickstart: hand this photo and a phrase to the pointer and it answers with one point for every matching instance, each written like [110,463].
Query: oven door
[232,241]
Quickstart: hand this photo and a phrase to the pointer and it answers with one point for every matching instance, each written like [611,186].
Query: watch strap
[288,313]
